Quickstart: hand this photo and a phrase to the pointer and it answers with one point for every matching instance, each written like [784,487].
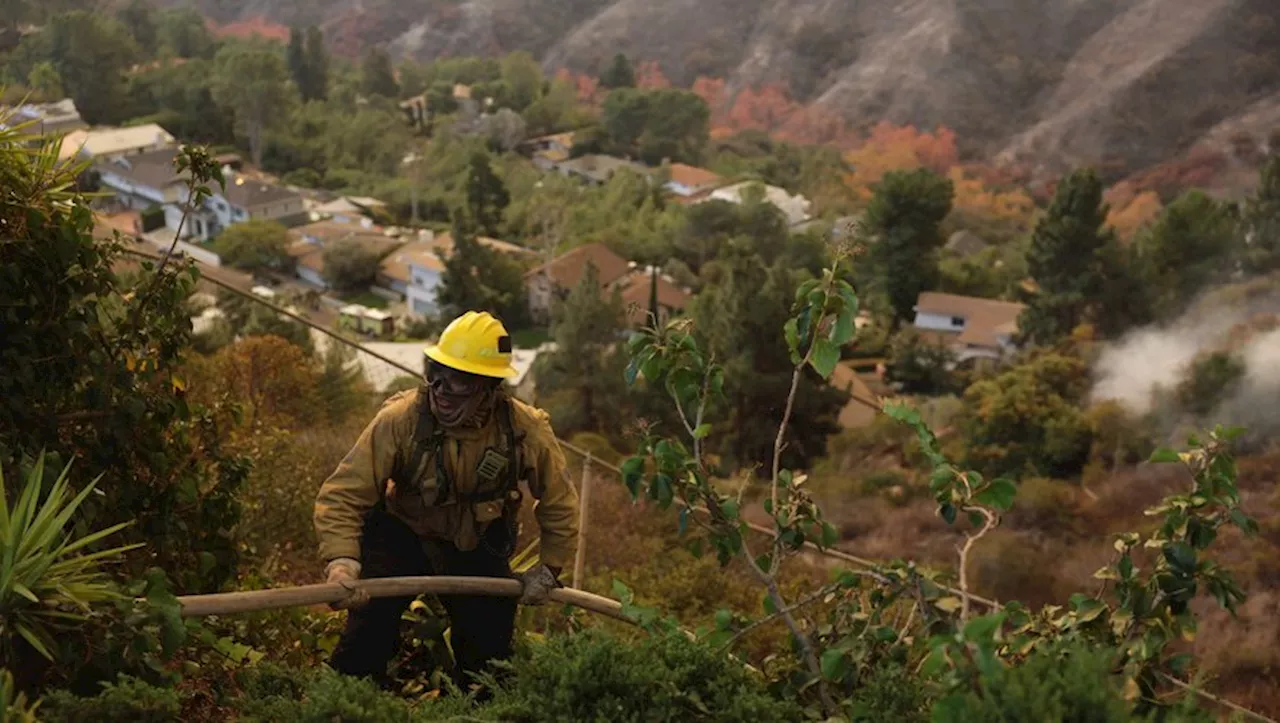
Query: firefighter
[431,487]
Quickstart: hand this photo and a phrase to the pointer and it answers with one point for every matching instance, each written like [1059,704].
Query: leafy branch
[671,359]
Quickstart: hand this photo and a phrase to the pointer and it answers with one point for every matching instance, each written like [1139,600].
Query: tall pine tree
[1065,259]
[477,278]
[586,368]
[317,66]
[377,76]
[905,216]
[487,195]
[1261,221]
[619,74]
[296,59]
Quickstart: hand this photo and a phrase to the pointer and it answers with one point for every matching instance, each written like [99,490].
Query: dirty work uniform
[450,511]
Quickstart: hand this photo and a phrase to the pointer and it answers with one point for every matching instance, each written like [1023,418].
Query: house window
[221,206]
[957,321]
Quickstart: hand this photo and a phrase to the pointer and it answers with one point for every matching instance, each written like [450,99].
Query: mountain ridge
[1044,83]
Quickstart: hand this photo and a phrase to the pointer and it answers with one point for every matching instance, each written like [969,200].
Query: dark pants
[482,627]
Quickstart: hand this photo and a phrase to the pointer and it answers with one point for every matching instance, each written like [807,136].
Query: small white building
[44,119]
[107,142]
[795,208]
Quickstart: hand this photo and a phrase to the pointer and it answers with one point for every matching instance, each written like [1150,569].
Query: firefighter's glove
[538,584]
[345,571]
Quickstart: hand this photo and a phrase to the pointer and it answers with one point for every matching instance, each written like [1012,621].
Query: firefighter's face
[453,388]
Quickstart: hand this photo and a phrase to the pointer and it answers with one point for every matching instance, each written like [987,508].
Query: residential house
[554,280]
[597,169]
[638,289]
[347,209]
[548,151]
[107,142]
[795,208]
[244,199]
[45,119]
[142,180]
[416,269]
[973,327]
[415,272]
[689,183]
[311,240]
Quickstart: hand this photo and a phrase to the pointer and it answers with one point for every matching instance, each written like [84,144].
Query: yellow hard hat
[475,343]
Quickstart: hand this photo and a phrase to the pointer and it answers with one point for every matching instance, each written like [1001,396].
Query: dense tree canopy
[903,222]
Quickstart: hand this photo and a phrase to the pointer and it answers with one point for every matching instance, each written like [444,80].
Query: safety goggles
[453,383]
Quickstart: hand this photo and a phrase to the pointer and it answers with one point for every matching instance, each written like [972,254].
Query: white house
[972,326]
[795,208]
[415,271]
[44,118]
[142,180]
[107,142]
[245,199]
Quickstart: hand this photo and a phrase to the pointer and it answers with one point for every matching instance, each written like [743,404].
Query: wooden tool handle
[227,603]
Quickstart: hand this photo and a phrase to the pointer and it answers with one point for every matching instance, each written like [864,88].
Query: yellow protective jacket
[357,484]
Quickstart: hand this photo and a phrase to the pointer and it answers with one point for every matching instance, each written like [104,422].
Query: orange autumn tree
[1131,209]
[649,75]
[899,148]
[978,206]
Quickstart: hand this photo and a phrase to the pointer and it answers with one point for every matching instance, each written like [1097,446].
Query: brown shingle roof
[983,318]
[313,238]
[247,193]
[152,169]
[568,269]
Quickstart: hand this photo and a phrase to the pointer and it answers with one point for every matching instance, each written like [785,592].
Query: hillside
[1043,82]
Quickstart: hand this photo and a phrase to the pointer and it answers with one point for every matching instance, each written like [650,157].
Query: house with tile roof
[311,240]
[690,182]
[552,281]
[973,327]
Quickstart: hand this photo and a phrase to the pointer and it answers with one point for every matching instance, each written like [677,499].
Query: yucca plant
[49,580]
[14,707]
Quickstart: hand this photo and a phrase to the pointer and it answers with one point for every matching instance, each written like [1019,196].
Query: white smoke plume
[1130,369]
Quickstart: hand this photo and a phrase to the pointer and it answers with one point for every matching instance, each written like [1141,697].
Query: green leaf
[834,663]
[824,357]
[1164,456]
[984,627]
[724,619]
[792,334]
[948,512]
[976,519]
[949,604]
[684,520]
[702,431]
[1181,557]
[843,329]
[829,534]
[999,494]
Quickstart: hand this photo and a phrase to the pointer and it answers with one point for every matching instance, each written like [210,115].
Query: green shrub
[1044,504]
[1065,683]
[889,693]
[14,707]
[593,677]
[274,693]
[128,699]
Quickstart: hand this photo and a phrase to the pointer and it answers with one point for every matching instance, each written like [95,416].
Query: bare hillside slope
[1050,82]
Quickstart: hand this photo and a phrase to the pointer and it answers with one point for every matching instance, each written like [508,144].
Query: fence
[381,368]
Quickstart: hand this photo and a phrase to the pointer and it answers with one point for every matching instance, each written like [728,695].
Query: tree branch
[989,522]
[806,600]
